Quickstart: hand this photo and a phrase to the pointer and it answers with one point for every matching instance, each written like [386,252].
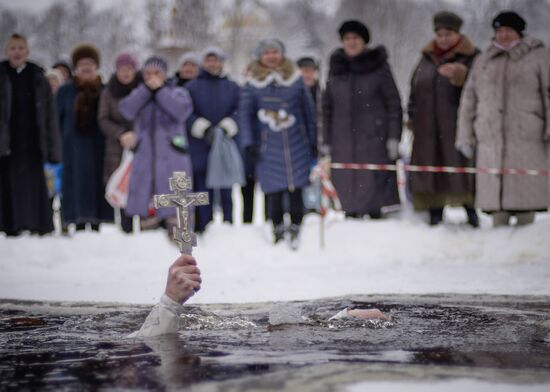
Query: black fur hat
[354,26]
[510,19]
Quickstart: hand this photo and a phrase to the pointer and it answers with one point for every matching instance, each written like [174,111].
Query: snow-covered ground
[239,263]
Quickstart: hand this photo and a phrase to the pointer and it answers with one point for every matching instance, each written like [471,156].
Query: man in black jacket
[29,136]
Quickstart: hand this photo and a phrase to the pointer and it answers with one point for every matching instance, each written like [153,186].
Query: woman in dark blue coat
[83,144]
[215,102]
[277,129]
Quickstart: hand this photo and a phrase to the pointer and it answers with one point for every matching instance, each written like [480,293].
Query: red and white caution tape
[329,197]
[440,169]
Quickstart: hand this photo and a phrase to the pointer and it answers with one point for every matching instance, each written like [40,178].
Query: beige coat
[505,114]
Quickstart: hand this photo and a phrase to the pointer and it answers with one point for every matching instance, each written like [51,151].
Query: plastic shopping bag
[225,165]
[118,186]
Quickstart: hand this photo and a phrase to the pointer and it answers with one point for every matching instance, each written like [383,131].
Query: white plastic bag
[118,186]
[225,165]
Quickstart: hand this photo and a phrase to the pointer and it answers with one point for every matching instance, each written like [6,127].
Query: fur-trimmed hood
[260,76]
[464,48]
[368,61]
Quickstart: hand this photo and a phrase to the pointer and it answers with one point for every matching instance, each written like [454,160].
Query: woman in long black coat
[29,136]
[83,144]
[436,88]
[363,122]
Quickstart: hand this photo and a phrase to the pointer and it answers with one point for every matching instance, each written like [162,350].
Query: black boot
[375,214]
[473,219]
[436,216]
[279,233]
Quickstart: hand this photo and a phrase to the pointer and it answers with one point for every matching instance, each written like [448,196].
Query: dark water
[288,346]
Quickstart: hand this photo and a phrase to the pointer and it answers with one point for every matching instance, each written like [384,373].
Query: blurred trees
[308,27]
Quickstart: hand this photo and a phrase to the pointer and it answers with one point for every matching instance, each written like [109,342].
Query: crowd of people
[488,109]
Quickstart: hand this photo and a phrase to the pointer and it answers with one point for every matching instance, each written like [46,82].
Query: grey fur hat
[214,51]
[190,57]
[269,43]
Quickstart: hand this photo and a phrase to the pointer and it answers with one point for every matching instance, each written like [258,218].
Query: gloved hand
[325,163]
[392,146]
[466,150]
[252,154]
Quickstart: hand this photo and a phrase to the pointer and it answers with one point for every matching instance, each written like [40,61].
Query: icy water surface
[283,346]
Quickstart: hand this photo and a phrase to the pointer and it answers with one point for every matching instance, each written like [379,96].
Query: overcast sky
[40,5]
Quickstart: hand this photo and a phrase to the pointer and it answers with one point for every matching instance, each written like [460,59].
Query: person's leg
[248,200]
[227,205]
[525,218]
[296,207]
[296,216]
[6,204]
[203,215]
[436,216]
[126,222]
[501,218]
[473,219]
[275,202]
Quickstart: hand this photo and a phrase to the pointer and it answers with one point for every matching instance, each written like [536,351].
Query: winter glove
[199,127]
[252,154]
[466,150]
[179,142]
[229,126]
[392,145]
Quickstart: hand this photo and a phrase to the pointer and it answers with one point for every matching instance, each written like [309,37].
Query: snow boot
[436,216]
[279,233]
[473,219]
[294,231]
[525,218]
[501,218]
[376,215]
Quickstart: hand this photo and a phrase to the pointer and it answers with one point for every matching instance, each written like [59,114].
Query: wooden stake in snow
[182,199]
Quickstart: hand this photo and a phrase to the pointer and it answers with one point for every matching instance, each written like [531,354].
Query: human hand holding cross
[182,199]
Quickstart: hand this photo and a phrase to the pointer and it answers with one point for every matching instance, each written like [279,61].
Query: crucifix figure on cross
[182,199]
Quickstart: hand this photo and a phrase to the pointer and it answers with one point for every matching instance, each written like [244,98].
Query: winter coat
[276,117]
[505,113]
[83,155]
[113,125]
[433,112]
[361,111]
[215,99]
[158,118]
[46,114]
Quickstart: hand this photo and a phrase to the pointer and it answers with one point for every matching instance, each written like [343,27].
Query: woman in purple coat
[159,112]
